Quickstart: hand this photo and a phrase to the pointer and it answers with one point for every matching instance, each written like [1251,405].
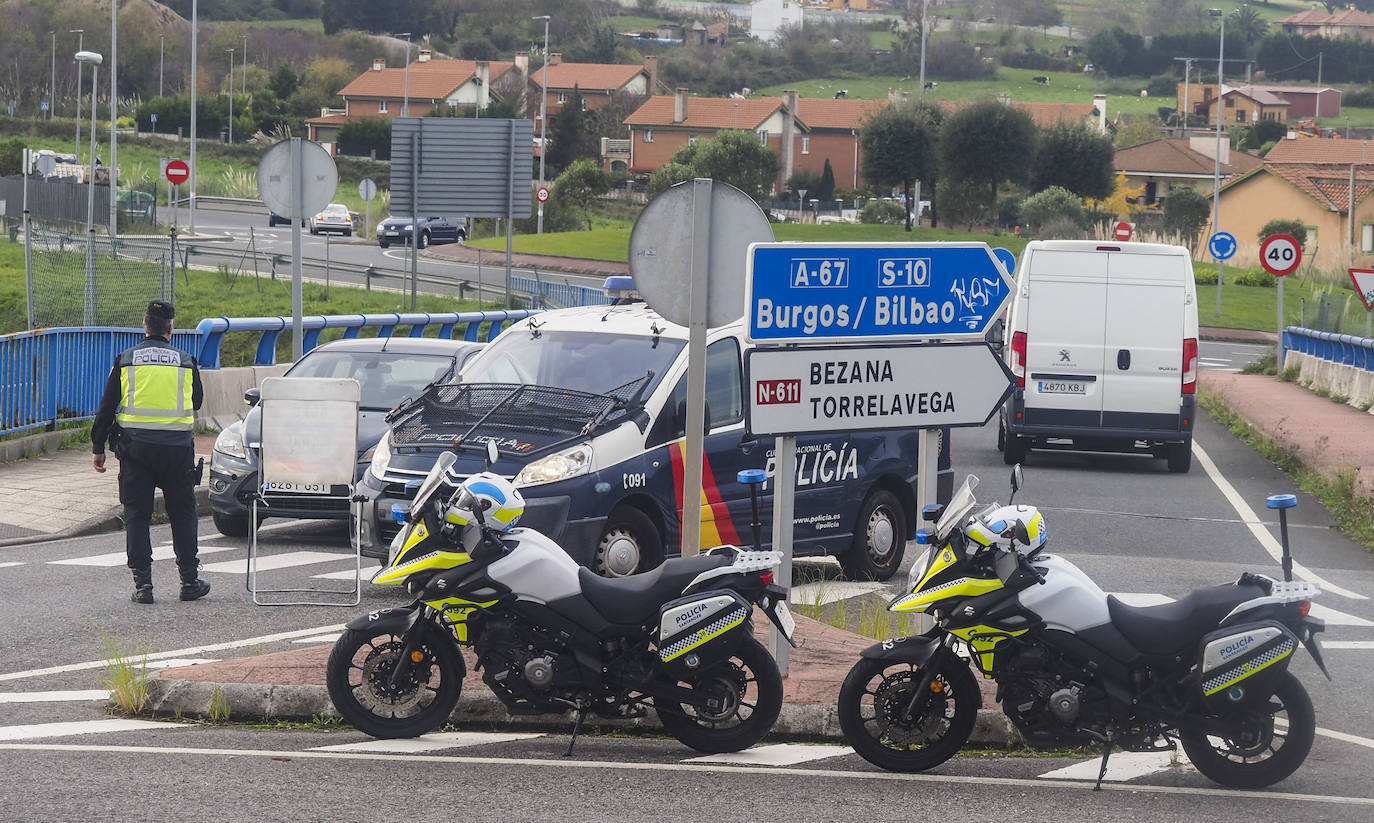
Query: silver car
[334,218]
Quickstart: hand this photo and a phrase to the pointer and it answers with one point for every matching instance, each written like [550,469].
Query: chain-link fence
[111,287]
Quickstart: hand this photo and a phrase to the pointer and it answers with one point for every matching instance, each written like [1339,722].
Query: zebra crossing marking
[69,728]
[347,574]
[7,564]
[1122,766]
[429,742]
[120,558]
[55,697]
[780,754]
[830,591]
[271,562]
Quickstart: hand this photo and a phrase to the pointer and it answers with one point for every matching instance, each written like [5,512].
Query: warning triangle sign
[1364,286]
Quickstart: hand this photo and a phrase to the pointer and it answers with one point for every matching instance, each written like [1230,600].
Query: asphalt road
[1128,522]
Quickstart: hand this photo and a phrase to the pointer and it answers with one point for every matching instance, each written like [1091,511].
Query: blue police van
[587,407]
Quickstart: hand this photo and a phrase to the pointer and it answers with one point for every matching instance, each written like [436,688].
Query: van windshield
[582,361]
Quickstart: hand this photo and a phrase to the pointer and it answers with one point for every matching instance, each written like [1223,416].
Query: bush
[1163,85]
[1185,212]
[1279,225]
[1205,278]
[1056,209]
[1253,277]
[883,211]
[1009,211]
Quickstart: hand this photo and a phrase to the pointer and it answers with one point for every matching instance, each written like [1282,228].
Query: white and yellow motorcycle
[1074,665]
[551,636]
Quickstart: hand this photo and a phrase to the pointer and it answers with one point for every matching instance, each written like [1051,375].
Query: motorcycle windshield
[960,504]
[432,480]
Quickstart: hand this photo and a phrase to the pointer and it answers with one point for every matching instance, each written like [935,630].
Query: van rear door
[1147,296]
[1065,328]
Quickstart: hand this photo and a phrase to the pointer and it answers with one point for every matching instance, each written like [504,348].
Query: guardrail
[213,329]
[58,375]
[1346,349]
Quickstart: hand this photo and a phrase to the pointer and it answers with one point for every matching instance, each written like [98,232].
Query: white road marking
[270,562]
[317,639]
[1347,644]
[429,742]
[120,558]
[782,754]
[179,662]
[1121,766]
[1337,618]
[1347,738]
[1258,529]
[54,697]
[81,727]
[830,591]
[347,574]
[178,653]
[178,754]
[10,563]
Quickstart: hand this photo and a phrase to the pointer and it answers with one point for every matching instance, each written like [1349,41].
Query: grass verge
[126,676]
[1354,513]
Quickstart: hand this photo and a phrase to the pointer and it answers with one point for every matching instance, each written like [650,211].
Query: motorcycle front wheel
[359,677]
[874,700]
[1262,752]
[739,702]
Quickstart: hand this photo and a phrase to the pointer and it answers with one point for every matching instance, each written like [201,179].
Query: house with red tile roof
[1331,199]
[1304,148]
[598,83]
[665,123]
[1166,164]
[831,132]
[1348,22]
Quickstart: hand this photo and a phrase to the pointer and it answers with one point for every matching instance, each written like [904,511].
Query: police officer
[146,415]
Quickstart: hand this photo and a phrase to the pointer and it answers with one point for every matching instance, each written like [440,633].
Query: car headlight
[556,467]
[230,442]
[381,456]
[380,228]
[408,227]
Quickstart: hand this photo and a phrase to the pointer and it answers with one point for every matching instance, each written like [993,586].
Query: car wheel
[348,233]
[1180,457]
[424,240]
[1015,451]
[879,538]
[462,237]
[629,544]
[384,244]
[230,525]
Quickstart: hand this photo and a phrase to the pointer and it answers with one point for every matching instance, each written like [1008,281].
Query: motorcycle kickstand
[1106,753]
[577,726]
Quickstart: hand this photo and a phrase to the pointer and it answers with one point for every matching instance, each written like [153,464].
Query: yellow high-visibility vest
[156,387]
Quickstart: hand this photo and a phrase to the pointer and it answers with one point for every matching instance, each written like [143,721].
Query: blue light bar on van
[619,282]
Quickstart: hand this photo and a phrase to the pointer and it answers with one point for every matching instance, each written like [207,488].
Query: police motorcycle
[551,636]
[1074,665]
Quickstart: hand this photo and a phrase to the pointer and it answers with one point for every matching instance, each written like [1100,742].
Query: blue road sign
[817,292]
[43,105]
[153,117]
[1222,245]
[1008,260]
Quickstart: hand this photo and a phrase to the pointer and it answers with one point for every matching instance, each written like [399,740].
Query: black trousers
[144,467]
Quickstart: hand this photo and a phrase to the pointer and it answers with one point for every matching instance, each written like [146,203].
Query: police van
[587,407]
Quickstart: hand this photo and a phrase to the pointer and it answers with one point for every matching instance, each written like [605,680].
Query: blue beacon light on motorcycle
[397,513]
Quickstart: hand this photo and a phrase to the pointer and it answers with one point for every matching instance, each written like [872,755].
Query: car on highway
[139,205]
[432,230]
[388,370]
[274,219]
[332,218]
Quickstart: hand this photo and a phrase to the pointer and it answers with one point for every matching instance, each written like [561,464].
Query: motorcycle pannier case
[1239,664]
[701,630]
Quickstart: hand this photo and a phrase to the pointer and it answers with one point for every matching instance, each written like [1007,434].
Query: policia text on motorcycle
[146,414]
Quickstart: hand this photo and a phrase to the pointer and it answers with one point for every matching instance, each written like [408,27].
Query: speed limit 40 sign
[1280,254]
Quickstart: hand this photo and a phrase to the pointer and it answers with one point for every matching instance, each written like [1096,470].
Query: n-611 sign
[815,292]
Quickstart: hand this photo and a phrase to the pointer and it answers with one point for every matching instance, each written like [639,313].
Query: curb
[112,520]
[265,702]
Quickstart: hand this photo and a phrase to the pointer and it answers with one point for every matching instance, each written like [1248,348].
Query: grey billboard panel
[466,166]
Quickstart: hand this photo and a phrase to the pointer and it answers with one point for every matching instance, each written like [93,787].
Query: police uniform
[147,413]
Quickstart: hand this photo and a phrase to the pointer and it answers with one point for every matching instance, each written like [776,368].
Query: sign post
[1364,287]
[367,190]
[1280,255]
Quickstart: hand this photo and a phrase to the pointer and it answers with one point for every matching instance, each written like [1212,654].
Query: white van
[1104,349]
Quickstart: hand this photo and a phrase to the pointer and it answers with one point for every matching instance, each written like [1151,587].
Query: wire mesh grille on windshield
[541,415]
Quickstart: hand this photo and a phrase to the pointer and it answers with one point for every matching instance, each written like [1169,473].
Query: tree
[666,176]
[1054,212]
[580,183]
[900,145]
[1075,157]
[825,188]
[1293,228]
[961,202]
[1186,211]
[570,134]
[733,157]
[1250,25]
[283,82]
[365,135]
[1124,202]
[11,156]
[988,144]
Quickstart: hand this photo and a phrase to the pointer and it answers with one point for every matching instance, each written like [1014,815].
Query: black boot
[193,588]
[143,586]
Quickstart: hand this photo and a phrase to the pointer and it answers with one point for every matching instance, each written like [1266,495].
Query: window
[806,145]
[381,107]
[648,135]
[691,139]
[1311,237]
[1367,237]
[763,138]
[562,98]
[724,393]
[1241,115]
[1230,102]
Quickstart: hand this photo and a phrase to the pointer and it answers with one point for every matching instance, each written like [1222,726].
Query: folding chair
[309,447]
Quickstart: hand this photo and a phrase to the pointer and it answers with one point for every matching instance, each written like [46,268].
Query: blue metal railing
[563,295]
[213,329]
[1338,348]
[58,375]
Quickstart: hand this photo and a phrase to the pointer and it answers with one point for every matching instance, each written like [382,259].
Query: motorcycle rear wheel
[874,695]
[745,694]
[358,677]
[1264,754]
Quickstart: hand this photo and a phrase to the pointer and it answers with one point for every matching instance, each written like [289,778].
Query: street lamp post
[80,37]
[544,121]
[1216,173]
[114,120]
[161,54]
[52,77]
[405,99]
[88,316]
[230,80]
[243,86]
[925,12]
[191,202]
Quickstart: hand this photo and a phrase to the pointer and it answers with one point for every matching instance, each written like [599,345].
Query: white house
[767,18]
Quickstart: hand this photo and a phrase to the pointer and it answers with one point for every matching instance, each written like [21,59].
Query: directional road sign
[1222,245]
[822,293]
[1280,254]
[177,172]
[845,388]
[1364,286]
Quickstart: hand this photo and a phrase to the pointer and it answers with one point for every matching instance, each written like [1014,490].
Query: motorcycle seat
[635,600]
[1173,627]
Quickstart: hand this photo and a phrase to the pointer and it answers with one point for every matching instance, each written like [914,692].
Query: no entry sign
[1122,231]
[177,172]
